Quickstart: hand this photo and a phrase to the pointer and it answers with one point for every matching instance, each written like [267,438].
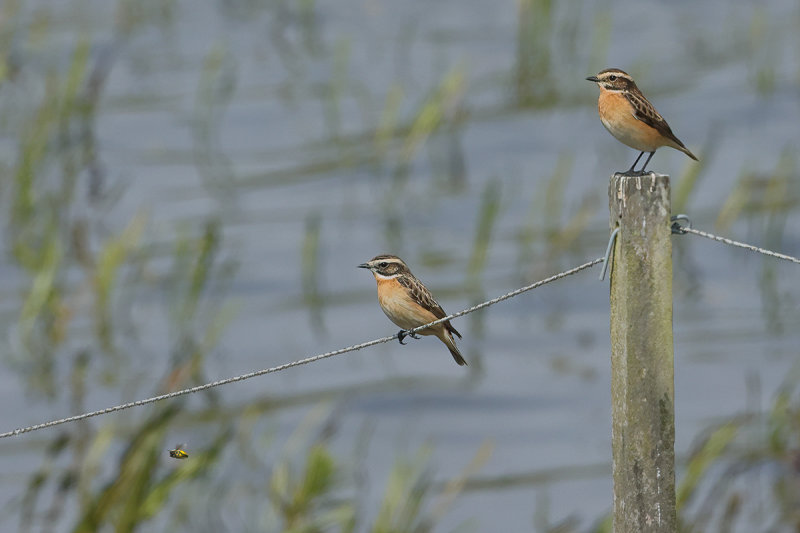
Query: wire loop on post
[609,253]
[678,228]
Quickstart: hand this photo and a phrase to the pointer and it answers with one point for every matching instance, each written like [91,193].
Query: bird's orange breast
[617,115]
[401,309]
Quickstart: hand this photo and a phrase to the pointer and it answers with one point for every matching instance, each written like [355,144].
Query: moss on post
[642,382]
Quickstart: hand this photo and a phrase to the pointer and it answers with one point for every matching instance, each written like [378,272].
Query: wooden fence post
[642,382]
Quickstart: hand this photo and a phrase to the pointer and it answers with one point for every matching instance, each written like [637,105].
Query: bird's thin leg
[648,160]
[630,170]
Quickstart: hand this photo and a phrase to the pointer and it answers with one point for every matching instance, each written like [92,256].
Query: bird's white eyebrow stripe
[606,75]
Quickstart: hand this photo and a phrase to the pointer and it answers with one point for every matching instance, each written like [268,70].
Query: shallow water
[263,118]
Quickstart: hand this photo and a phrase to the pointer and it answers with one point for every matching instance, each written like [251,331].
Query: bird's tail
[688,152]
[678,145]
[447,338]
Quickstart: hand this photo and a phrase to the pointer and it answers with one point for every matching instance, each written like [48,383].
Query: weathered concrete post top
[642,382]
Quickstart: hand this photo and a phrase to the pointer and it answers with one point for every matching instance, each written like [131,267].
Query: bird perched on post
[408,303]
[631,118]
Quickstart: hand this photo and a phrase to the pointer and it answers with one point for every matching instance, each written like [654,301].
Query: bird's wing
[421,295]
[643,110]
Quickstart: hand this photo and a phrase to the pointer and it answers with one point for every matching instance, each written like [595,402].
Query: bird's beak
[593,78]
[363,265]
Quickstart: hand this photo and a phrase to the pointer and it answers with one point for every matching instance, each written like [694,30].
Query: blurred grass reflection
[150,146]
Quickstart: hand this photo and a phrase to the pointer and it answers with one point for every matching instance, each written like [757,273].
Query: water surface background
[188,187]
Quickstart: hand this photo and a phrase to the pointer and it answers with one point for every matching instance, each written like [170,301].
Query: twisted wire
[285,366]
[738,244]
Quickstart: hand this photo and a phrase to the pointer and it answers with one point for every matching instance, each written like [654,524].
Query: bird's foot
[630,173]
[402,334]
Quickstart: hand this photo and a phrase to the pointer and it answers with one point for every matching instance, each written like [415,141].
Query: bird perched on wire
[408,303]
[631,118]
